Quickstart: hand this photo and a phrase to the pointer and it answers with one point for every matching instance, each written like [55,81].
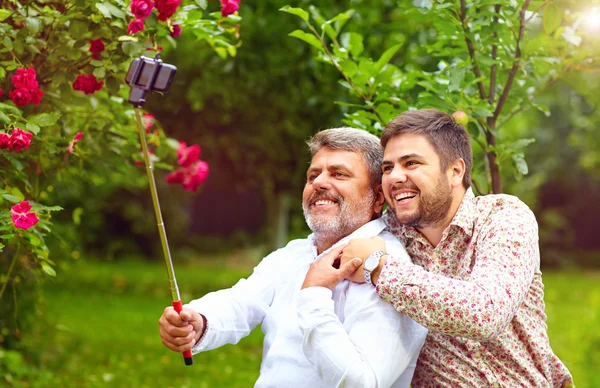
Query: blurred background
[95,324]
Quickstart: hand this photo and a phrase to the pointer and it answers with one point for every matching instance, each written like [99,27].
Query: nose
[398,175]
[321,182]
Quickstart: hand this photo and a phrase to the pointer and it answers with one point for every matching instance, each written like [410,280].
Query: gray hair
[353,140]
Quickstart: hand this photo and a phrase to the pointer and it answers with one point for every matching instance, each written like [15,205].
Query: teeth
[324,202]
[404,195]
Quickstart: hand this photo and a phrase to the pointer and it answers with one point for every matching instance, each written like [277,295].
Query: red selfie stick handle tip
[187,355]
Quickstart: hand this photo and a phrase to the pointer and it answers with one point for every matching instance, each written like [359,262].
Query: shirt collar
[368,230]
[463,219]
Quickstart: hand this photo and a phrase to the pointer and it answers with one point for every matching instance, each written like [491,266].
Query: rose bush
[62,67]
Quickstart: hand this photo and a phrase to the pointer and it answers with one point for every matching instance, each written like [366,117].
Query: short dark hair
[449,139]
[354,140]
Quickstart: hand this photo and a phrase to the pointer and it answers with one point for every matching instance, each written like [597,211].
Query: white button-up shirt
[315,337]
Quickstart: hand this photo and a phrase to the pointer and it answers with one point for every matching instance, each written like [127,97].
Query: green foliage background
[250,95]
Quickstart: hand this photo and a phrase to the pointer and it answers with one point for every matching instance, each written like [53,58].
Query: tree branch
[516,64]
[492,95]
[476,71]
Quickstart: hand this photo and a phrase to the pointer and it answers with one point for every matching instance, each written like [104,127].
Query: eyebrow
[403,158]
[333,167]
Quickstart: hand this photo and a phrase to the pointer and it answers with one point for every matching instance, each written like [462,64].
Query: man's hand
[180,331]
[361,248]
[322,273]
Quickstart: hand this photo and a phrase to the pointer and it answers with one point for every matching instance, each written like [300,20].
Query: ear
[379,200]
[456,172]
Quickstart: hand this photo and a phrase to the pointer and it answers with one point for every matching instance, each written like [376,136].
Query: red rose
[25,78]
[87,84]
[20,96]
[4,141]
[96,47]
[1,93]
[22,216]
[36,96]
[135,26]
[166,8]
[141,9]
[176,31]
[190,177]
[186,156]
[20,139]
[229,7]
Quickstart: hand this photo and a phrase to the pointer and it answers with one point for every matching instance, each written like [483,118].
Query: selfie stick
[145,75]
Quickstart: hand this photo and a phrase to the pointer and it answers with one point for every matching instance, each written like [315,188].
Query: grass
[99,328]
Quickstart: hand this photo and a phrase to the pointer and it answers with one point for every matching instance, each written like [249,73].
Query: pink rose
[36,96]
[77,137]
[190,177]
[4,141]
[176,31]
[87,84]
[1,92]
[20,96]
[148,120]
[20,139]
[187,155]
[96,47]
[166,8]
[229,7]
[141,9]
[135,26]
[22,217]
[25,78]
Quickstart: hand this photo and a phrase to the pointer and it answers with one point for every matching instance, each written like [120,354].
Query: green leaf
[4,14]
[456,78]
[552,17]
[349,67]
[10,109]
[521,143]
[45,119]
[99,72]
[308,38]
[115,11]
[2,73]
[132,49]
[8,43]
[48,269]
[295,11]
[11,198]
[202,4]
[78,27]
[33,128]
[521,164]
[386,57]
[17,193]
[33,25]
[77,215]
[104,10]
[127,38]
[4,119]
[352,42]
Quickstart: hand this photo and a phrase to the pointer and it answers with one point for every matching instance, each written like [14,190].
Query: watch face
[371,263]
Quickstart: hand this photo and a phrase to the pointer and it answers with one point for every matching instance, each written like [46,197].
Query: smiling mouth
[323,203]
[404,197]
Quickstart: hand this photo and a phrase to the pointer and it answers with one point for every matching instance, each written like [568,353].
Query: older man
[475,279]
[320,330]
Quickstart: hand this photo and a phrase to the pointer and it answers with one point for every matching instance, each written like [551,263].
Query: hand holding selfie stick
[146,75]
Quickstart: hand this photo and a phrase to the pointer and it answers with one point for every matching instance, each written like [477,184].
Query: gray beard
[348,219]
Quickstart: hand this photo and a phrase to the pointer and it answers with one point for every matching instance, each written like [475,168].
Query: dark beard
[433,208]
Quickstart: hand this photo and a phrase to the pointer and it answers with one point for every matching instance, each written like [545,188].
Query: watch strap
[377,255]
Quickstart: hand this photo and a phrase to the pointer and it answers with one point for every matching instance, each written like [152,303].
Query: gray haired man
[317,333]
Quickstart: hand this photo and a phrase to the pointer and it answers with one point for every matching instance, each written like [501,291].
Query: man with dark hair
[330,333]
[474,280]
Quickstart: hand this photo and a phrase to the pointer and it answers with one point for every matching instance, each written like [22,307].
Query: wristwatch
[371,263]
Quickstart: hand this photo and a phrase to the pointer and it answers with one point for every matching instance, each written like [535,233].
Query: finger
[350,267]
[334,253]
[189,315]
[174,318]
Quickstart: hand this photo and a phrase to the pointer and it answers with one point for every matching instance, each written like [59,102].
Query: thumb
[350,267]
[189,315]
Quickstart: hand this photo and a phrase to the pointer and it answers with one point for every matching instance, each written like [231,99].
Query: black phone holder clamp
[146,75]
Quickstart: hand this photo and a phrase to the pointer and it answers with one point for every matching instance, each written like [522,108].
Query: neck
[324,242]
[434,233]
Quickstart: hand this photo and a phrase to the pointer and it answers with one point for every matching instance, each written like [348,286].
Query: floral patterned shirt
[480,293]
